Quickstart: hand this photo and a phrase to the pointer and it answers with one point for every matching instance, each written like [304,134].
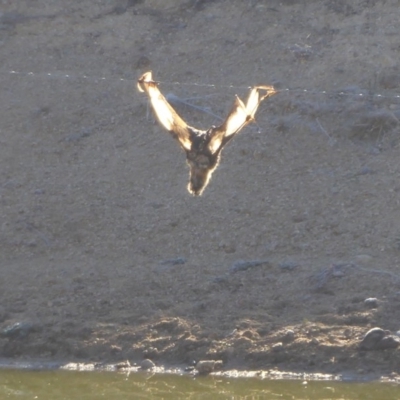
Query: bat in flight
[202,147]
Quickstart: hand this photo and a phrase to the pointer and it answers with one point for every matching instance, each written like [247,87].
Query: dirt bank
[106,257]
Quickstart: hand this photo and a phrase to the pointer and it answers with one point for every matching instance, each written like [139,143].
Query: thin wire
[58,75]
[341,93]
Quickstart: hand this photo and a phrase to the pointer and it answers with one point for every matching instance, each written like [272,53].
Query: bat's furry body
[203,148]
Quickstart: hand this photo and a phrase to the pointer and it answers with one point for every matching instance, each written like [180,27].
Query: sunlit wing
[233,123]
[255,98]
[239,116]
[165,114]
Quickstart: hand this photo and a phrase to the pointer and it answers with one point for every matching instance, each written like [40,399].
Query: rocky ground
[292,253]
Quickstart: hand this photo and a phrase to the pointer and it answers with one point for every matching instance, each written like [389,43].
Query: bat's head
[201,168]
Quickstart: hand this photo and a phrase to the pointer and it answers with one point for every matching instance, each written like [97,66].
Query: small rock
[277,347]
[288,336]
[249,334]
[228,247]
[288,265]
[39,191]
[220,279]
[388,342]
[301,52]
[371,338]
[366,171]
[377,339]
[337,273]
[174,261]
[205,367]
[147,364]
[76,137]
[271,246]
[115,349]
[233,333]
[240,266]
[371,302]
[374,151]
[19,330]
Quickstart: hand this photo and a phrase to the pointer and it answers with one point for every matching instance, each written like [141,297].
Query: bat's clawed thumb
[147,77]
[270,91]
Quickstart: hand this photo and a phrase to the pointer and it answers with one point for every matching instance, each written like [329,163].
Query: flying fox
[203,147]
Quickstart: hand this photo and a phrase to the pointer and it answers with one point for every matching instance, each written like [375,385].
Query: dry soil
[104,254]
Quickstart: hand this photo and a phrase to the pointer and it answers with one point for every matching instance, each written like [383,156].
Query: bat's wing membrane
[165,114]
[240,115]
[255,98]
[235,121]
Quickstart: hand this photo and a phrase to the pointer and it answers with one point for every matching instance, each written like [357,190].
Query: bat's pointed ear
[147,77]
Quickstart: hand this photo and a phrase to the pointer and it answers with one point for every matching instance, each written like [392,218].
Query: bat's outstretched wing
[166,115]
[240,115]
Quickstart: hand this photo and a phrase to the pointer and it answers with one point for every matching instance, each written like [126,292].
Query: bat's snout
[199,178]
